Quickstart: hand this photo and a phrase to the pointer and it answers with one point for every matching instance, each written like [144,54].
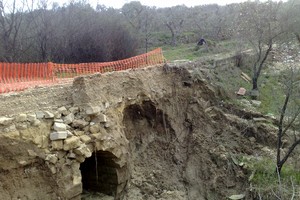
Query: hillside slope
[179,137]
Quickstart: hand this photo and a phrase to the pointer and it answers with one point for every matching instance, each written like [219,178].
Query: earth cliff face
[155,133]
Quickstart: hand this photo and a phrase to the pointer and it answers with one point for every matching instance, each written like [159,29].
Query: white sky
[163,3]
[160,3]
[120,3]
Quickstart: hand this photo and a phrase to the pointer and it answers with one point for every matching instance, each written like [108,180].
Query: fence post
[1,72]
[50,73]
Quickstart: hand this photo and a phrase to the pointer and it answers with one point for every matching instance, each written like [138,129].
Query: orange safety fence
[72,70]
[20,76]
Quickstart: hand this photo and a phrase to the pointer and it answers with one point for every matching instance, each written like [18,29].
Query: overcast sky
[160,3]
[164,3]
[120,3]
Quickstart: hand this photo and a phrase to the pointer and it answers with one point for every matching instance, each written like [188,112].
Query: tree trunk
[254,82]
[172,29]
[298,37]
[279,167]
[174,42]
[254,92]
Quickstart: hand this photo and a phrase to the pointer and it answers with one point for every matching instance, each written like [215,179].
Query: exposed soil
[32,181]
[182,145]
[182,139]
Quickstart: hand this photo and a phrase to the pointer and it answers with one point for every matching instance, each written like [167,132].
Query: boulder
[241,92]
[69,118]
[71,143]
[78,133]
[31,118]
[85,139]
[94,128]
[256,103]
[40,114]
[41,141]
[48,115]
[80,159]
[59,135]
[92,110]
[6,120]
[83,150]
[63,110]
[79,123]
[10,128]
[57,144]
[58,120]
[13,134]
[102,118]
[52,169]
[74,110]
[52,158]
[59,126]
[32,153]
[74,191]
[36,123]
[22,126]
[21,118]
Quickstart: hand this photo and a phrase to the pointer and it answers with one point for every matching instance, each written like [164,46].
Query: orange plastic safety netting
[20,76]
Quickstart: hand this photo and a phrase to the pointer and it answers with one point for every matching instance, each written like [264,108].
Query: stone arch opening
[100,173]
[153,146]
[145,121]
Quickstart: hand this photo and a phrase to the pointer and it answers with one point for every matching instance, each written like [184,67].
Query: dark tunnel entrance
[99,173]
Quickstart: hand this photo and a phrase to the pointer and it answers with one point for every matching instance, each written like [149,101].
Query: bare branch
[279,183]
[293,195]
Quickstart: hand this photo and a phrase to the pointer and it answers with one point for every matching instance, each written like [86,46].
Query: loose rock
[49,115]
[59,126]
[58,135]
[6,120]
[69,118]
[71,143]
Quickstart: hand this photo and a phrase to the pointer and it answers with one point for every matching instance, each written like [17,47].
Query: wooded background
[77,32]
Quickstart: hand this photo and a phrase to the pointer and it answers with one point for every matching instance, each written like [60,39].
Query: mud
[182,136]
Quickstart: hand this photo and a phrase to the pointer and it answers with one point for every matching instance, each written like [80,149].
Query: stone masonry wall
[68,123]
[65,138]
[42,98]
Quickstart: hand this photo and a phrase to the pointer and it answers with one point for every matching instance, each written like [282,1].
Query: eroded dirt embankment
[165,133]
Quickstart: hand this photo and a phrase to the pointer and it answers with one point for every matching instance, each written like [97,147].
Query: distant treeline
[76,32]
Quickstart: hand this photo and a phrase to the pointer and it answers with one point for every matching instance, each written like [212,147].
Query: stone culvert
[153,133]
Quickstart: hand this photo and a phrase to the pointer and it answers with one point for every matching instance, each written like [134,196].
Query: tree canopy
[77,32]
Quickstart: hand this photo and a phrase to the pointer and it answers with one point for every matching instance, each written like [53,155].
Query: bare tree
[259,26]
[174,22]
[289,116]
[141,19]
[293,18]
[42,29]
[289,121]
[11,19]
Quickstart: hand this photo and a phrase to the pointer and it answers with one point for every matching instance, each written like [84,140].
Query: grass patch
[265,183]
[181,52]
[191,52]
[271,94]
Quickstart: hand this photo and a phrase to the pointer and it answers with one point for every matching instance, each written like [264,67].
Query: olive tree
[289,116]
[11,20]
[258,26]
[142,20]
[174,19]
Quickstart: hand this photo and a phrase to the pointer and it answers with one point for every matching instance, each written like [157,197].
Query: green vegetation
[264,179]
[266,182]
[192,52]
[270,88]
[76,32]
[181,52]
